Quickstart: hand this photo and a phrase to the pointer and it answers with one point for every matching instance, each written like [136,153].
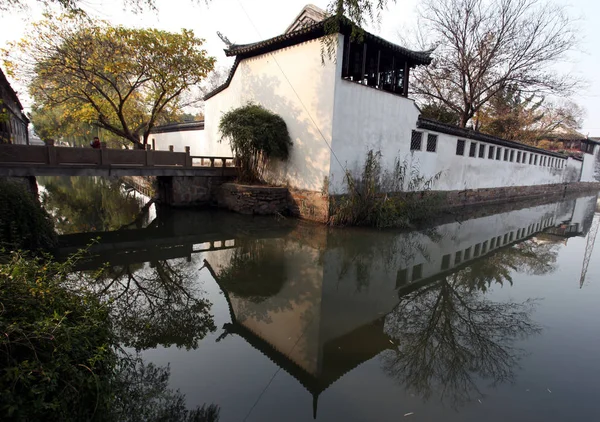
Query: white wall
[189,138]
[573,170]
[366,118]
[589,163]
[321,108]
[305,103]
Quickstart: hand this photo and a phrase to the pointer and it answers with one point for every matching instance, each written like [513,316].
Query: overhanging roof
[243,51]
[11,92]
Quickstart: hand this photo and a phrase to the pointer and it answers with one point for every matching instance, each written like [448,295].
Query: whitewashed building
[339,108]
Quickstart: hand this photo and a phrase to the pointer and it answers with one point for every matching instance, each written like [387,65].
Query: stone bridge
[181,179]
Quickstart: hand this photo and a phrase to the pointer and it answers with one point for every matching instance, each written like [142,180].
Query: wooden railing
[33,155]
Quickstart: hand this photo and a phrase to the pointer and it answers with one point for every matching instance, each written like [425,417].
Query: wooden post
[224,161]
[346,64]
[149,156]
[364,63]
[104,157]
[171,148]
[393,73]
[378,68]
[405,81]
[51,154]
[212,162]
[188,158]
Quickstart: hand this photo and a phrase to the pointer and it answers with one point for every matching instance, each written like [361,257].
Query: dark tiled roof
[309,33]
[434,125]
[565,137]
[178,127]
[11,92]
[593,140]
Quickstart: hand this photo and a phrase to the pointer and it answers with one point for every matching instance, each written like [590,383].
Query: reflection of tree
[142,394]
[83,204]
[256,270]
[525,257]
[449,336]
[157,305]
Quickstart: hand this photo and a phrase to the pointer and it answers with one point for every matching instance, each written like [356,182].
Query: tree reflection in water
[450,336]
[142,394]
[84,204]
[157,304]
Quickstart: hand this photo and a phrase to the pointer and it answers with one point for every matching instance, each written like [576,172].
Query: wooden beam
[346,63]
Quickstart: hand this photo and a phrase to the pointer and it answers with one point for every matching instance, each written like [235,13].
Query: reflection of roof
[364,343]
[308,33]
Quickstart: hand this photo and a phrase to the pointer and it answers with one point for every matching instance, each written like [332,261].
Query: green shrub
[256,136]
[24,224]
[377,198]
[56,348]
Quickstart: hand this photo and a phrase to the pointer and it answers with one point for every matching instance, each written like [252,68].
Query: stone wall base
[247,199]
[473,197]
[308,205]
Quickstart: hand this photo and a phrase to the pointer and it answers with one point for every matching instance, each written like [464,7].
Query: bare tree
[483,46]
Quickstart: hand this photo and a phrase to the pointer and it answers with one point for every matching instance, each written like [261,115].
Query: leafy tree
[256,135]
[123,80]
[24,224]
[56,346]
[437,111]
[71,5]
[515,115]
[483,46]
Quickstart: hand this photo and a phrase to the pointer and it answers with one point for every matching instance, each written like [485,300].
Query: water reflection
[84,204]
[157,304]
[143,395]
[449,337]
[320,302]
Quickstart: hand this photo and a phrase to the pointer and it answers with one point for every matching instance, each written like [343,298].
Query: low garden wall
[473,197]
[246,199]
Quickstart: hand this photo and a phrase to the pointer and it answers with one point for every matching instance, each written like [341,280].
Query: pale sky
[244,21]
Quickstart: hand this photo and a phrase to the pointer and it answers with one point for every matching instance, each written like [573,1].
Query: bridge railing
[35,155]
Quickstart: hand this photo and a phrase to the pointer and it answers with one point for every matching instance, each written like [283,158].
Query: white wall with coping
[588,167]
[459,172]
[366,118]
[195,139]
[321,108]
[305,103]
[573,170]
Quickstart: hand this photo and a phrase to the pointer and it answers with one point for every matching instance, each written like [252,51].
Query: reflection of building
[335,289]
[13,122]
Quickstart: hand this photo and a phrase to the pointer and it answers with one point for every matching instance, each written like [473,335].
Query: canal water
[492,316]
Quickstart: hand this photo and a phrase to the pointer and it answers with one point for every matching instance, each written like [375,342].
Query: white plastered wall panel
[294,83]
